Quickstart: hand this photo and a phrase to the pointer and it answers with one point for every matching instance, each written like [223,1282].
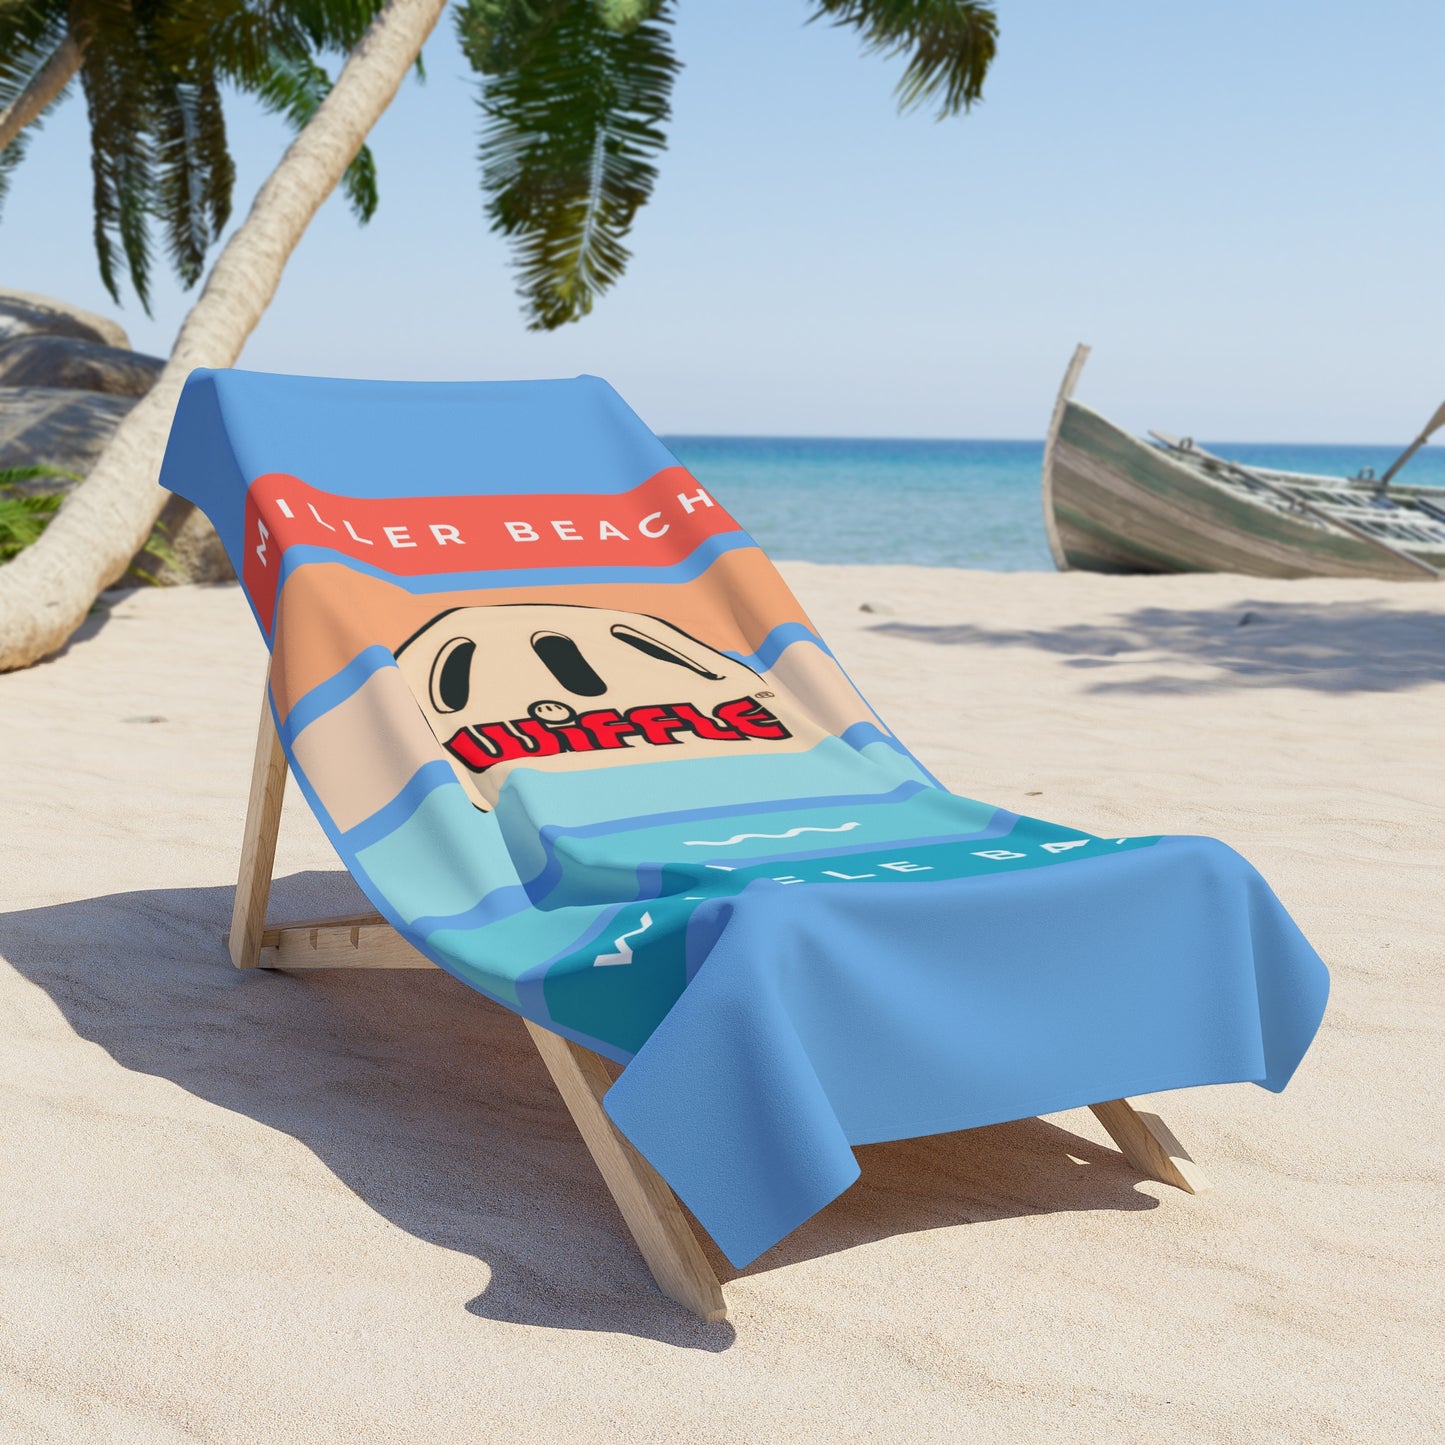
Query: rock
[58,426]
[67,361]
[67,378]
[196,551]
[22,313]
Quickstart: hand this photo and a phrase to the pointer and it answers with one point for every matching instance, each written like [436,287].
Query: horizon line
[995,441]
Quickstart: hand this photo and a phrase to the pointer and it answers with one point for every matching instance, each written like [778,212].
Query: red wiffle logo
[552,728]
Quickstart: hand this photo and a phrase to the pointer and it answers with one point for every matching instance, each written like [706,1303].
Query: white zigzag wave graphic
[743,837]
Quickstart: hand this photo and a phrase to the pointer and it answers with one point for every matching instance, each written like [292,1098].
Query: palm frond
[334,25]
[151,72]
[624,14]
[950,45]
[118,79]
[11,477]
[236,38]
[29,35]
[22,520]
[269,50]
[574,95]
[194,172]
[498,36]
[10,157]
[25,515]
[294,85]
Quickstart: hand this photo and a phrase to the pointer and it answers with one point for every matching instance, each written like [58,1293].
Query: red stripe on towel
[656,524]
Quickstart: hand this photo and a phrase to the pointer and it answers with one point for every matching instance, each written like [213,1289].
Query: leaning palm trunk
[48,82]
[47,590]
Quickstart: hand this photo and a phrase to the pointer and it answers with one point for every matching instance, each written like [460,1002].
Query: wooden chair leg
[648,1206]
[1148,1143]
[258,847]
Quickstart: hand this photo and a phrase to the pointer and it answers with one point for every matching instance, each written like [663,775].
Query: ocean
[936,503]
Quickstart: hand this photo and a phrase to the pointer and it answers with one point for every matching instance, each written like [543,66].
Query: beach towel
[579,744]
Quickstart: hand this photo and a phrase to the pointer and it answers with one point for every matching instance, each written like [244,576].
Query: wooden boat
[1116,503]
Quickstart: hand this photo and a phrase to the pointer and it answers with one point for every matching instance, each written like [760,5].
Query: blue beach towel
[579,744]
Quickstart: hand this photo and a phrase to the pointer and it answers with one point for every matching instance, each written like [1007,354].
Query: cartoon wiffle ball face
[555,686]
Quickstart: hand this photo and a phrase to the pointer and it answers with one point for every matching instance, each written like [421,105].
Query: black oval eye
[661,651]
[451,675]
[565,662]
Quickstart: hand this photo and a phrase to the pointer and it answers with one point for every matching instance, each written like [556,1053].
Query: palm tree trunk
[47,590]
[45,85]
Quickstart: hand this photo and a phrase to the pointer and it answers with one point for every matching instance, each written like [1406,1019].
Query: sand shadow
[1336,647]
[974,1176]
[430,1104]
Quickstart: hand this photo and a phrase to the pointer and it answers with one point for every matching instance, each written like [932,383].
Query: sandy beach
[339,1207]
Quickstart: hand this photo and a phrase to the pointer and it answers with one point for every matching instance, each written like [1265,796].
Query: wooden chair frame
[648,1206]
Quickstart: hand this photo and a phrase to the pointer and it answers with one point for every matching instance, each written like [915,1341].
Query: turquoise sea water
[936,503]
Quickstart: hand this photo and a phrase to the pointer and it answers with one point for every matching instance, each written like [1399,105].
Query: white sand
[259,1208]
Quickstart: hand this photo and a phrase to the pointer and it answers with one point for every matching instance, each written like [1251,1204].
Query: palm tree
[152,76]
[574,95]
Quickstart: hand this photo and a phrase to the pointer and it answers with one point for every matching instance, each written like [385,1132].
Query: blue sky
[1238,204]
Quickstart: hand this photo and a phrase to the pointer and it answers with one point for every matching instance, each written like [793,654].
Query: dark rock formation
[66,361]
[57,426]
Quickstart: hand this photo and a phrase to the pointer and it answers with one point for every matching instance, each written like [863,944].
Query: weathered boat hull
[1120,505]
[1114,503]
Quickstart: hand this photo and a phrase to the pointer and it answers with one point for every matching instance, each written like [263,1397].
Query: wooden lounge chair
[660,1228]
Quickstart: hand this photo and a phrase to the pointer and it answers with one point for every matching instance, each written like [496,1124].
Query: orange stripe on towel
[329,613]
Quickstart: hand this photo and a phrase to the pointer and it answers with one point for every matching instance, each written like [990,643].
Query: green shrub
[25,515]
